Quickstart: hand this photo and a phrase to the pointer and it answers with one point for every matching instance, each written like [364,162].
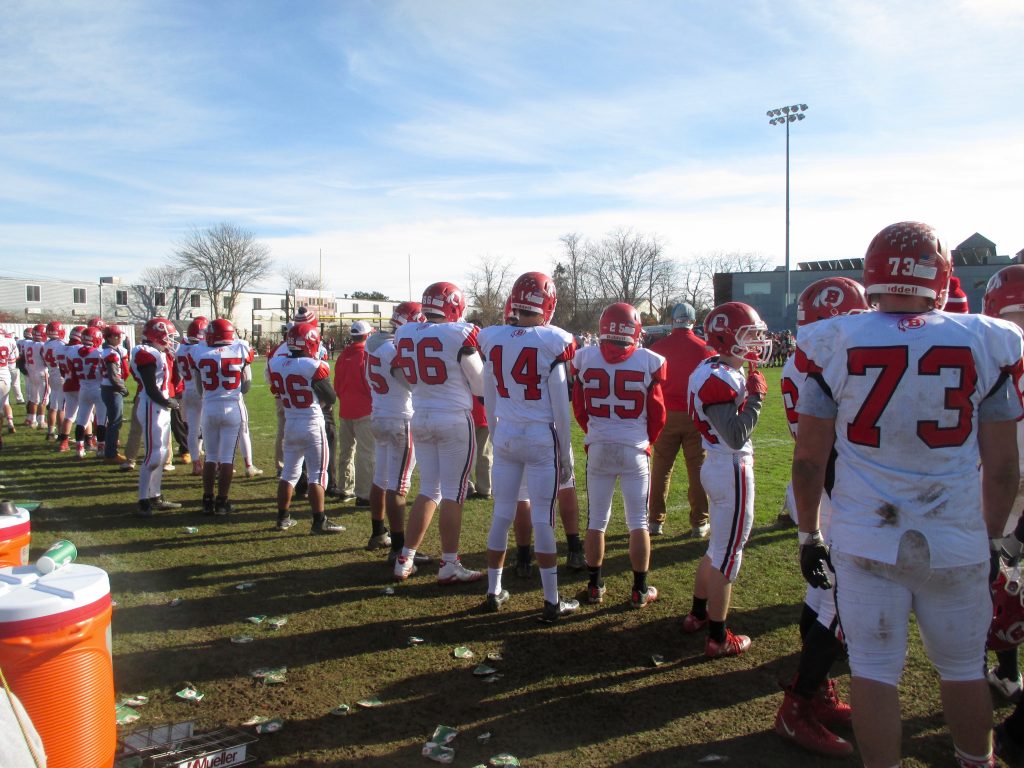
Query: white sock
[549,580]
[449,557]
[494,580]
[408,554]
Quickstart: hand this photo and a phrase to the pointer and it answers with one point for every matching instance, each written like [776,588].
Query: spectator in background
[683,352]
[480,488]
[356,448]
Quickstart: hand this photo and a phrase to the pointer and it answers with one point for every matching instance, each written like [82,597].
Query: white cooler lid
[9,521]
[27,594]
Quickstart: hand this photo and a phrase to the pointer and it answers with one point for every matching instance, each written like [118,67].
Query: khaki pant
[134,441]
[679,432]
[356,456]
[484,460]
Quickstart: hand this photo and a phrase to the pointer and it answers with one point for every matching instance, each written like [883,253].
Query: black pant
[180,431]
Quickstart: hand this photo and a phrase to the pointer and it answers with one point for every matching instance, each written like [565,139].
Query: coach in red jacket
[355,440]
[683,351]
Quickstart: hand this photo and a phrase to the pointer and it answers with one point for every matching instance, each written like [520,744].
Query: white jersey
[792,380]
[34,363]
[8,356]
[145,354]
[218,369]
[389,398]
[611,399]
[713,383]
[428,354]
[291,382]
[906,390]
[53,349]
[183,361]
[520,359]
[91,375]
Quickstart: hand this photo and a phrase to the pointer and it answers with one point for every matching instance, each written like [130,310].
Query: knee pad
[497,537]
[544,539]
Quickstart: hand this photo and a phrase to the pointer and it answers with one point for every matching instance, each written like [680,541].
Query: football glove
[756,385]
[564,472]
[814,561]
[1012,545]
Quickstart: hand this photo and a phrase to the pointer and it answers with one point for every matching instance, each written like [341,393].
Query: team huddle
[894,403]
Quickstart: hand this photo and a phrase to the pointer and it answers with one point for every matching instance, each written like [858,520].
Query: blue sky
[449,130]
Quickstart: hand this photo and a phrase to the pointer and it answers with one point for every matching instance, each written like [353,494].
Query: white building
[257,315]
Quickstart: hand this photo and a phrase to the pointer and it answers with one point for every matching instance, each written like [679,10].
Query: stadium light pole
[785,116]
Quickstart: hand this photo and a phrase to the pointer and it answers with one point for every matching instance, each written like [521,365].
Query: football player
[910,398]
[568,506]
[192,398]
[303,315]
[725,405]
[88,365]
[1004,298]
[302,383]
[152,364]
[618,402]
[811,703]
[37,394]
[69,370]
[8,374]
[19,367]
[8,356]
[222,372]
[527,405]
[52,349]
[390,421]
[440,360]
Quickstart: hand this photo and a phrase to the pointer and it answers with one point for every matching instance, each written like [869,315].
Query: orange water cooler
[15,536]
[55,653]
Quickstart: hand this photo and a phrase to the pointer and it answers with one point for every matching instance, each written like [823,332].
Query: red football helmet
[406,312]
[96,322]
[55,329]
[92,337]
[1007,628]
[161,333]
[735,328]
[830,297]
[75,336]
[1005,291]
[445,301]
[110,332]
[27,333]
[621,330]
[220,332]
[39,332]
[303,338]
[535,292]
[908,259]
[196,330]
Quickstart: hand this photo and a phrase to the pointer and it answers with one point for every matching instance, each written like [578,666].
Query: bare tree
[487,287]
[576,291]
[698,288]
[296,277]
[161,292]
[224,260]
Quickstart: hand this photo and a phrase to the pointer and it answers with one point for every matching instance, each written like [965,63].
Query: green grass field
[581,693]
